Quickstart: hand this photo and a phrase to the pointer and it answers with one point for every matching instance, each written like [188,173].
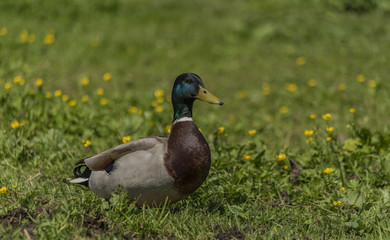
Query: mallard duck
[154,170]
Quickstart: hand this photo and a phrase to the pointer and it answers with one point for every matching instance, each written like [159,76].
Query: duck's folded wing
[101,160]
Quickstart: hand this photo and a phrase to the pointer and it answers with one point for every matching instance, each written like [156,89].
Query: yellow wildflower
[291,87]
[329,139]
[252,132]
[50,37]
[168,128]
[160,100]
[372,83]
[57,93]
[24,36]
[84,99]
[18,79]
[3,31]
[342,188]
[283,110]
[352,110]
[104,101]
[285,167]
[313,116]
[327,116]
[3,190]
[100,91]
[309,140]
[281,156]
[342,86]
[133,110]
[361,78]
[330,130]
[15,186]
[336,203]
[242,94]
[220,130]
[159,93]
[65,97]
[39,82]
[300,61]
[87,143]
[126,139]
[247,156]
[84,81]
[48,95]
[312,82]
[72,103]
[328,170]
[309,133]
[107,76]
[159,109]
[7,86]
[15,124]
[266,89]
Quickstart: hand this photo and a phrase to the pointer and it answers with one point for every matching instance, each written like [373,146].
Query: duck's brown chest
[188,156]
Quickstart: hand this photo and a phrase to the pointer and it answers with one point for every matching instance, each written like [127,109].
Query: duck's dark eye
[205,92]
[187,81]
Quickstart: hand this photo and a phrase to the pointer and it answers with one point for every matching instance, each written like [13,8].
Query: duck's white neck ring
[183,119]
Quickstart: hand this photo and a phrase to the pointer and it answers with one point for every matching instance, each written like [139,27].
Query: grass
[258,57]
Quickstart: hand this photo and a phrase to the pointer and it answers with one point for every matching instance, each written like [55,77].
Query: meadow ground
[300,149]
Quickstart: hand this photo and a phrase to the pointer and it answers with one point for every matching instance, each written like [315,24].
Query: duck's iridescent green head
[187,88]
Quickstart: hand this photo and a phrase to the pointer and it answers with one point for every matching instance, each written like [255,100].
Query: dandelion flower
[24,36]
[247,156]
[87,143]
[100,91]
[104,101]
[352,110]
[15,186]
[65,97]
[3,31]
[220,130]
[281,156]
[39,82]
[252,132]
[3,190]
[160,100]
[31,38]
[159,109]
[126,139]
[361,78]
[342,86]
[57,93]
[72,103]
[300,61]
[50,37]
[48,95]
[312,83]
[84,99]
[313,116]
[327,116]
[242,94]
[328,170]
[328,139]
[329,130]
[18,79]
[7,86]
[291,87]
[342,188]
[372,83]
[159,93]
[309,133]
[133,110]
[285,167]
[283,110]
[84,81]
[336,203]
[107,76]
[168,128]
[266,89]
[15,124]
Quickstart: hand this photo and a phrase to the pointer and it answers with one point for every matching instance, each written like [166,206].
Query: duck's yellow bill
[207,96]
